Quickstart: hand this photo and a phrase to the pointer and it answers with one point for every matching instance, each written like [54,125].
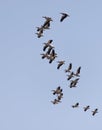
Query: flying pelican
[60,96]
[49,50]
[86,108]
[70,76]
[78,71]
[56,101]
[76,105]
[95,111]
[73,83]
[69,68]
[64,15]
[57,91]
[60,63]
[39,34]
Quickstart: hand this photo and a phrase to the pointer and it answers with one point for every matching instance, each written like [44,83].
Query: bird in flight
[69,68]
[60,63]
[78,71]
[76,105]
[95,111]
[64,15]
[86,108]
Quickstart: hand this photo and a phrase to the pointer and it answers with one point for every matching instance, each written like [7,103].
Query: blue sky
[26,80]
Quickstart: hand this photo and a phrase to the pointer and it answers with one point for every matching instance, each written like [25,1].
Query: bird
[69,68]
[45,55]
[47,22]
[57,91]
[60,63]
[46,45]
[56,101]
[64,15]
[86,108]
[49,50]
[78,71]
[76,105]
[70,76]
[40,28]
[47,26]
[52,58]
[95,111]
[60,96]
[53,55]
[39,34]
[74,82]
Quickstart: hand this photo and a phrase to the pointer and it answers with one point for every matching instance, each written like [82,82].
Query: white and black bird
[57,91]
[64,15]
[76,105]
[95,111]
[78,71]
[70,76]
[60,63]
[56,101]
[69,68]
[46,45]
[86,108]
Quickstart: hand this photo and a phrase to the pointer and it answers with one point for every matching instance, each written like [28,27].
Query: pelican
[47,44]
[64,15]
[73,83]
[76,105]
[45,55]
[39,34]
[70,76]
[60,96]
[69,68]
[49,50]
[47,22]
[57,91]
[86,108]
[56,101]
[60,63]
[52,58]
[40,28]
[95,111]
[78,71]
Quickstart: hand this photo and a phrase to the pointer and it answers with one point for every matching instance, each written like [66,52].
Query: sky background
[26,80]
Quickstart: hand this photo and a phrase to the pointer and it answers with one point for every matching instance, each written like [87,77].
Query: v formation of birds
[50,54]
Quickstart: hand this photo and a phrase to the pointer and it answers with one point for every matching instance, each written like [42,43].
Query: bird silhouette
[60,63]
[86,108]
[69,68]
[76,105]
[64,15]
[95,111]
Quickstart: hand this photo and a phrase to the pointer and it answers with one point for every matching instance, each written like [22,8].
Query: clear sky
[26,80]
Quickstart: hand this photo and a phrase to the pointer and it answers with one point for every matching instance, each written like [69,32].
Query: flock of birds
[50,54]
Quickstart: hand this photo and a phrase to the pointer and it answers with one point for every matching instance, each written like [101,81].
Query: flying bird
[47,22]
[76,105]
[73,82]
[86,108]
[64,15]
[60,63]
[69,68]
[57,91]
[70,76]
[95,111]
[56,101]
[46,45]
[45,55]
[78,71]
[39,34]
[49,50]
[60,96]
